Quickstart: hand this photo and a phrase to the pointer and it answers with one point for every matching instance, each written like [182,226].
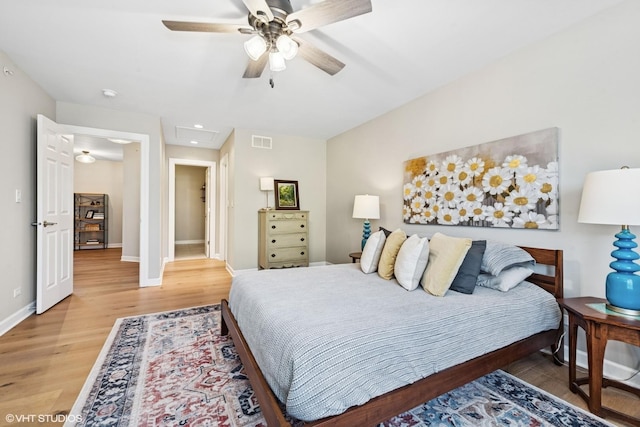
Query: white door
[207,211]
[54,215]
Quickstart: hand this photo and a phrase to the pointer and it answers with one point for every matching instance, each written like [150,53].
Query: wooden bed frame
[388,405]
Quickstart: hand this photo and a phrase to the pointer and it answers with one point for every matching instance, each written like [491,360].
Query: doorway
[139,221]
[192,185]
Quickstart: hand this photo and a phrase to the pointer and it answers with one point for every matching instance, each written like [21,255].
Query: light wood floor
[45,360]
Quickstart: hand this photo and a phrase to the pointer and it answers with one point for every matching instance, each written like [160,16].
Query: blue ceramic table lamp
[366,207]
[613,197]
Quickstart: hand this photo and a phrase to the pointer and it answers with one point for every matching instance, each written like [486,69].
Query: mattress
[331,337]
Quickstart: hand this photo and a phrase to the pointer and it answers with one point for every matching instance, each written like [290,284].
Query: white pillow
[507,279]
[411,262]
[371,252]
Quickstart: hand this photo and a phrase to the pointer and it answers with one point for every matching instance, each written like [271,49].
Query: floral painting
[510,183]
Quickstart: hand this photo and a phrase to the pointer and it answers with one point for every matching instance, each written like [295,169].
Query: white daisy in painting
[498,215]
[406,212]
[448,216]
[465,211]
[514,162]
[432,182]
[431,169]
[417,204]
[478,212]
[530,178]
[521,200]
[531,219]
[428,215]
[429,195]
[409,190]
[472,195]
[475,166]
[419,182]
[496,181]
[450,195]
[549,189]
[551,223]
[442,180]
[462,176]
[451,165]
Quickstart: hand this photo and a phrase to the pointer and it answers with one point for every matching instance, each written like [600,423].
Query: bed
[288,338]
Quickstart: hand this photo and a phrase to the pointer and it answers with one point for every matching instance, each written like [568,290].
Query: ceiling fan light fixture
[276,61]
[287,47]
[85,157]
[255,47]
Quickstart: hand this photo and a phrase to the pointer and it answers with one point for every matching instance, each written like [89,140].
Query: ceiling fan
[273,24]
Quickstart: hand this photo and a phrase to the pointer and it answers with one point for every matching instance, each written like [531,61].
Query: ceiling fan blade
[255,68]
[319,58]
[206,27]
[259,9]
[326,12]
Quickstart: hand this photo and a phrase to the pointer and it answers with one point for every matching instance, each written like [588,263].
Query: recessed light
[109,93]
[119,141]
[198,126]
[194,142]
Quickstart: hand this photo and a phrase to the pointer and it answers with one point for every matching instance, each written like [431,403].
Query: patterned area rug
[174,369]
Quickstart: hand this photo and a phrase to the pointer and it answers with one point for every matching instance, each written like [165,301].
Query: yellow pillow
[445,257]
[390,252]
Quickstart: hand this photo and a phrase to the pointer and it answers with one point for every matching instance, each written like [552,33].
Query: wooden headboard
[552,282]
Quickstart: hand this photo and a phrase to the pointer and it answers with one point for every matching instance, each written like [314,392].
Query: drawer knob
[301,225]
[273,227]
[302,253]
[273,240]
[273,255]
[302,239]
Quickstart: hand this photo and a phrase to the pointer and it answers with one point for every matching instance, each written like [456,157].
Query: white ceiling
[403,49]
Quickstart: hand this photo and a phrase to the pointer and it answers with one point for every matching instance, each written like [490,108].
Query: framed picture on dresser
[287,196]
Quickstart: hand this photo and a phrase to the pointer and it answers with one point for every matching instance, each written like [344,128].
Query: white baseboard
[189,242]
[114,245]
[13,320]
[130,259]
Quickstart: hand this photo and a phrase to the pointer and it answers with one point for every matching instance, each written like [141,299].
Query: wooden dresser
[283,239]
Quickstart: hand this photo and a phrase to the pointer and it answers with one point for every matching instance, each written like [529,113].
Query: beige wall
[583,81]
[190,209]
[21,100]
[103,177]
[293,158]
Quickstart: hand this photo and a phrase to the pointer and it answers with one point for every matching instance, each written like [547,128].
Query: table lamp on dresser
[366,207]
[266,185]
[613,197]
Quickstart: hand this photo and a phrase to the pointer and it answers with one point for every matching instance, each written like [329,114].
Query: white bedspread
[328,338]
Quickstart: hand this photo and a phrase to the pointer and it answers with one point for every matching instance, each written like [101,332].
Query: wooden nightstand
[355,256]
[599,328]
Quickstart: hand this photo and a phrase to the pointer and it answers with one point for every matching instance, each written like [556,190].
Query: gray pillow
[465,280]
[499,256]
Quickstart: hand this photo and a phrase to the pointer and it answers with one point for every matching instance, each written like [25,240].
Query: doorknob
[46,223]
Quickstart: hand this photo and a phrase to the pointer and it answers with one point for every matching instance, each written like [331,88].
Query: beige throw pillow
[445,257]
[371,253]
[411,262]
[389,253]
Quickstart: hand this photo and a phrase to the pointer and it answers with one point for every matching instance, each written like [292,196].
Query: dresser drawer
[286,215]
[287,254]
[291,226]
[284,240]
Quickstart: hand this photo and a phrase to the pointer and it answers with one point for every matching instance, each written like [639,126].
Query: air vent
[258,141]
[186,134]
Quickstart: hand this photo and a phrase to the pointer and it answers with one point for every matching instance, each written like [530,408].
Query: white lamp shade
[255,47]
[611,197]
[266,183]
[287,47]
[276,61]
[366,206]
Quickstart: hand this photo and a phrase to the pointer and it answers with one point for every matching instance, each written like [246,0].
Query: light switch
[18,196]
